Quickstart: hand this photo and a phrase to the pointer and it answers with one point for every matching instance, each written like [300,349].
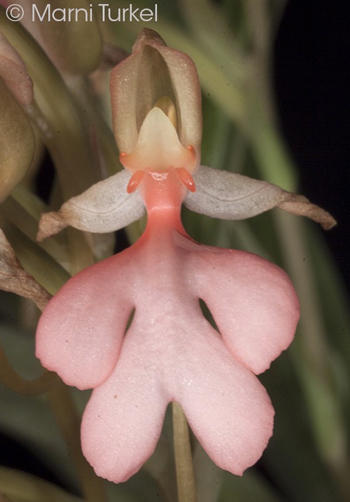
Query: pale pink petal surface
[81,330]
[124,417]
[182,359]
[170,352]
[253,303]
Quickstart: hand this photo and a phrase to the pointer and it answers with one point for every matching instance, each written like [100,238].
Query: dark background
[312,83]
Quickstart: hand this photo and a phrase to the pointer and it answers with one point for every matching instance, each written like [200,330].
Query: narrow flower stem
[67,418]
[186,485]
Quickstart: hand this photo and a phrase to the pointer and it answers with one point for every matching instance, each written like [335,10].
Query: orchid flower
[131,326]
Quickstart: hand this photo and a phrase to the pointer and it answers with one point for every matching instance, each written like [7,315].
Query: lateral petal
[231,196]
[104,207]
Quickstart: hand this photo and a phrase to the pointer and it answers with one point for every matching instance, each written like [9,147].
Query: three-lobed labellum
[170,352]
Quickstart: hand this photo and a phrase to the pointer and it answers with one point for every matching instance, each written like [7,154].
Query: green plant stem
[67,418]
[186,485]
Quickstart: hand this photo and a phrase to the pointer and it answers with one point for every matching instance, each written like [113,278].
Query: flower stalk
[186,484]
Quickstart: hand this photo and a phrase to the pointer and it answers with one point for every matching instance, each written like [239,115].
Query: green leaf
[23,487]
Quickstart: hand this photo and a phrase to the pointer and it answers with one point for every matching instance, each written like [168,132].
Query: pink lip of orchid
[169,352]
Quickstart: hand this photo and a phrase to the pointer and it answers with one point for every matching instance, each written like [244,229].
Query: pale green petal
[231,196]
